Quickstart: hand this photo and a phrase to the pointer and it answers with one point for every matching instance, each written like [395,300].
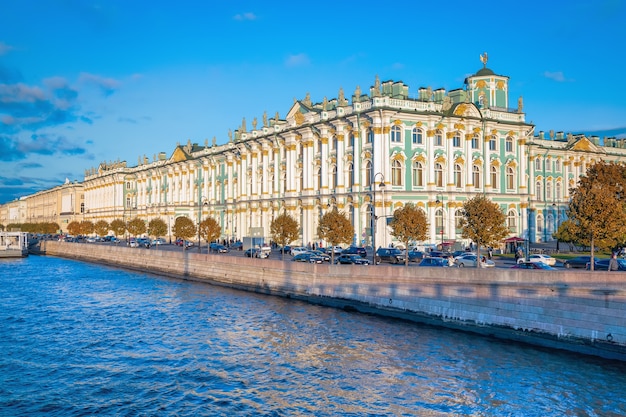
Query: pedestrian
[613,265]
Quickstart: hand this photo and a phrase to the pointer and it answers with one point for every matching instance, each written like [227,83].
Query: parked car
[415,255]
[435,261]
[355,250]
[159,241]
[335,249]
[308,257]
[286,249]
[603,265]
[350,258]
[533,265]
[470,261]
[390,255]
[256,253]
[217,248]
[181,242]
[91,240]
[236,246]
[323,255]
[298,250]
[539,257]
[578,262]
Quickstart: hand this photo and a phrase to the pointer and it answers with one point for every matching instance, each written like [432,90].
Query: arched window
[510,179]
[418,136]
[396,134]
[351,140]
[438,175]
[493,143]
[318,176]
[494,178]
[457,176]
[335,178]
[511,221]
[396,173]
[439,138]
[548,190]
[509,144]
[439,221]
[476,176]
[458,218]
[418,174]
[557,191]
[475,142]
[370,136]
[537,164]
[368,174]
[557,165]
[538,191]
[456,140]
[350,173]
[319,145]
[335,142]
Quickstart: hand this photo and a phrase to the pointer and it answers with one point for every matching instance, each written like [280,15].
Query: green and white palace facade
[367,155]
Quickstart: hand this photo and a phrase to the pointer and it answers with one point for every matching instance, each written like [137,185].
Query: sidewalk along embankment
[579,311]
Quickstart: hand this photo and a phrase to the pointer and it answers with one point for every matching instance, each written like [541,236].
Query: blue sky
[84,81]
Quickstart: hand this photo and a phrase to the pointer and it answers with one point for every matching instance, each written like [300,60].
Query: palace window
[418,136]
[493,143]
[458,219]
[418,174]
[456,140]
[476,176]
[350,175]
[334,176]
[511,220]
[557,190]
[548,190]
[557,165]
[537,164]
[334,143]
[438,175]
[475,141]
[494,178]
[509,144]
[510,179]
[370,136]
[396,134]
[396,173]
[318,176]
[439,221]
[351,140]
[368,174]
[538,191]
[439,138]
[457,176]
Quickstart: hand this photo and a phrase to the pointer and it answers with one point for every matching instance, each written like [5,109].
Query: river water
[78,339]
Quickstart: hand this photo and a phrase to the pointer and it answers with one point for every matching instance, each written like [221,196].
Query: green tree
[118,227]
[284,230]
[409,223]
[86,227]
[210,230]
[184,228]
[335,228]
[483,222]
[157,228]
[566,233]
[73,228]
[136,227]
[101,228]
[596,210]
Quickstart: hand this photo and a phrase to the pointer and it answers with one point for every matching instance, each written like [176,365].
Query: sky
[88,81]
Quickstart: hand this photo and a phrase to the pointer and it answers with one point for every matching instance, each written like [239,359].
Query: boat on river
[13,244]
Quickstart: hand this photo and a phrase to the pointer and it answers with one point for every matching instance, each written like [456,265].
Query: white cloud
[245,16]
[299,60]
[556,76]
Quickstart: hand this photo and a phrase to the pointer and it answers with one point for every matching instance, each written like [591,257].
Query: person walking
[613,265]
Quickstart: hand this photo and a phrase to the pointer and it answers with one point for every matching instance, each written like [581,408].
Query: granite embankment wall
[572,310]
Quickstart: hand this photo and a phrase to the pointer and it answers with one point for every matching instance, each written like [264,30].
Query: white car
[538,257]
[470,261]
[298,250]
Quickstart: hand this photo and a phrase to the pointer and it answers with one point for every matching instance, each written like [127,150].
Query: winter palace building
[367,156]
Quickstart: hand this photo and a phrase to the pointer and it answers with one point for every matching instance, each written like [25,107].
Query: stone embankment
[573,310]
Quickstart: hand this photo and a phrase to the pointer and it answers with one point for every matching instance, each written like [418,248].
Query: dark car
[355,250]
[415,255]
[236,246]
[350,258]
[181,242]
[252,252]
[435,261]
[308,257]
[217,248]
[533,265]
[603,265]
[287,249]
[578,262]
[323,255]
[390,255]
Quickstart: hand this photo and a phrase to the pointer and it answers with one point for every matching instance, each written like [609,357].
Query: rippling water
[80,340]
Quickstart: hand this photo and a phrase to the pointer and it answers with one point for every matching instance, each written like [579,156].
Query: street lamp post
[555,208]
[440,201]
[374,217]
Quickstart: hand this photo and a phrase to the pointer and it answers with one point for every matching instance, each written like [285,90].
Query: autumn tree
[74,228]
[50,228]
[136,227]
[210,230]
[483,222]
[566,233]
[408,224]
[335,228]
[86,227]
[184,228]
[284,230]
[101,228]
[157,227]
[596,210]
[119,227]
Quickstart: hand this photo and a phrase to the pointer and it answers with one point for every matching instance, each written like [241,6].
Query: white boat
[13,244]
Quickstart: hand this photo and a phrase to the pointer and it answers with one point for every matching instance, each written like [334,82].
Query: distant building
[434,148]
